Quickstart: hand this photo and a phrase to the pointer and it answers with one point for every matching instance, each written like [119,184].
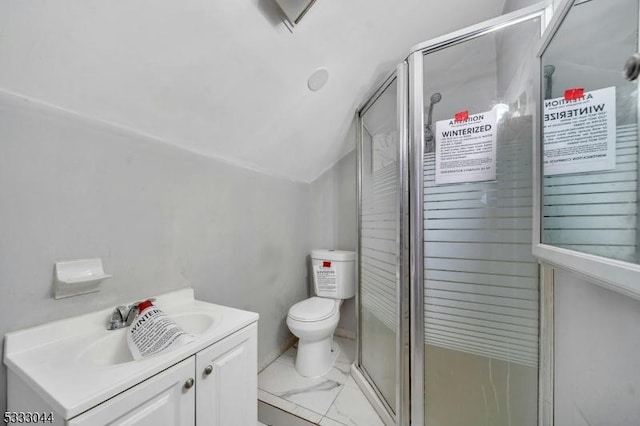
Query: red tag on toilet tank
[573,94]
[461,116]
[326,264]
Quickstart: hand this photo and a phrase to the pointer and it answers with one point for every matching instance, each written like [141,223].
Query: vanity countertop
[75,363]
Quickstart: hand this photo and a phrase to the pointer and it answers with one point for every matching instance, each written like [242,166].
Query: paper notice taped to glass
[466,149]
[580,134]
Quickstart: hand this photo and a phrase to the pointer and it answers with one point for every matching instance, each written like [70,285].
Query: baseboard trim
[287,344]
[283,347]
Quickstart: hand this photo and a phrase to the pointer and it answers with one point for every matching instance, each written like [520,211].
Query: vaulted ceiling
[224,79]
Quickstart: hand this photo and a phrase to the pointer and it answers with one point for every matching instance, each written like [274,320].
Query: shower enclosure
[448,299]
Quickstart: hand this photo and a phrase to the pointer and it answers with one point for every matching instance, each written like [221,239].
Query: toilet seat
[314,309]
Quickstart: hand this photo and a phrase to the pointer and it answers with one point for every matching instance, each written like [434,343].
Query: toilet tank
[334,273]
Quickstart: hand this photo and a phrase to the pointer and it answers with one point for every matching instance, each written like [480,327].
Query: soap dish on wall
[78,277]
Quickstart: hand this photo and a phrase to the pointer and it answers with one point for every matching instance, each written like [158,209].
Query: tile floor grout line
[285,401]
[343,385]
[334,399]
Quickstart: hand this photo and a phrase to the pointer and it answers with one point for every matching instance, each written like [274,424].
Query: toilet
[314,320]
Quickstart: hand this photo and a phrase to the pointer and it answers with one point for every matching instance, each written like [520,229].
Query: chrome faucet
[123,316]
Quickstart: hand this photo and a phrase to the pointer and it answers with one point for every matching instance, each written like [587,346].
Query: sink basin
[112,349]
[75,364]
[193,323]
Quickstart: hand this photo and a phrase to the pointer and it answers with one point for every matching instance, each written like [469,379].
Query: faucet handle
[131,315]
[123,311]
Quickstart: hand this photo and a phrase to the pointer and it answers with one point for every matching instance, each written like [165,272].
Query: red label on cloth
[326,264]
[573,94]
[461,116]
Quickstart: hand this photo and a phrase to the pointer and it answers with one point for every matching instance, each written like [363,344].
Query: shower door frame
[398,415]
[542,11]
[613,274]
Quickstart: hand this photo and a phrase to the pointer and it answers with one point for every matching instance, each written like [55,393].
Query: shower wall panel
[378,255]
[481,279]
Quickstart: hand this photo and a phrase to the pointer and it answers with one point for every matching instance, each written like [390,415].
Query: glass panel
[590,183]
[378,244]
[481,280]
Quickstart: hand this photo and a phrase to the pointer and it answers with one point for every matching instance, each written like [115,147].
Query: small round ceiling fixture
[318,79]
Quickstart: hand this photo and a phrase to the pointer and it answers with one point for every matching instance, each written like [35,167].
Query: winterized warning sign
[580,133]
[466,149]
[326,278]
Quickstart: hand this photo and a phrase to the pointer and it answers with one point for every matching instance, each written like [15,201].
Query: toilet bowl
[313,322]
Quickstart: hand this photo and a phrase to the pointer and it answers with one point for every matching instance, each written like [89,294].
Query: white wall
[597,342]
[193,72]
[161,218]
[334,217]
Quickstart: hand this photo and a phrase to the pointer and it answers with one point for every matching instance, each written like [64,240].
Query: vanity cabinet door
[227,375]
[168,398]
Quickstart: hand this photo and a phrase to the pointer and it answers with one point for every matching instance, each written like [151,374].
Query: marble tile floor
[331,400]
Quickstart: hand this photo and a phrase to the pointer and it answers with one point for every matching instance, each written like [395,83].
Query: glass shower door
[380,213]
[479,282]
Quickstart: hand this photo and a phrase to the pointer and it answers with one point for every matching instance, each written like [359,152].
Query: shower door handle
[632,67]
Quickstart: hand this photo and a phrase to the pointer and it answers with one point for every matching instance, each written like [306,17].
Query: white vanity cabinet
[84,375]
[215,387]
[161,400]
[227,381]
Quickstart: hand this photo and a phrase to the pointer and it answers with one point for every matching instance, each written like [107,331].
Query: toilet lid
[313,309]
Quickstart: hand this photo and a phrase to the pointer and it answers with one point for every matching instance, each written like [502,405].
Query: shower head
[549,70]
[428,132]
[548,81]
